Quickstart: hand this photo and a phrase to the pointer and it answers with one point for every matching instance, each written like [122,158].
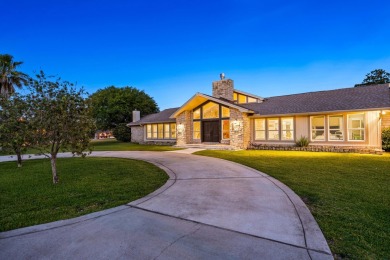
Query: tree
[112,106]
[9,76]
[15,131]
[377,76]
[122,132]
[60,118]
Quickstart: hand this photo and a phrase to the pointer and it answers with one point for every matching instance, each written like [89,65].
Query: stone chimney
[223,88]
[136,115]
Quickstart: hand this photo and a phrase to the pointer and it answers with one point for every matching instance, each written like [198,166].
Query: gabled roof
[161,117]
[200,98]
[347,99]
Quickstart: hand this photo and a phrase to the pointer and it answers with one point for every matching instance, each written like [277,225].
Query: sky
[173,49]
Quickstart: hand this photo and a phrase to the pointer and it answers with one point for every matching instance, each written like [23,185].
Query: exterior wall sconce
[180,129]
[236,125]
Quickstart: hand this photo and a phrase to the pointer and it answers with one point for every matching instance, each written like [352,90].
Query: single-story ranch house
[348,117]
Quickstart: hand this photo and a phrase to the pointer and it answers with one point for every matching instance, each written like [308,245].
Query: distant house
[350,117]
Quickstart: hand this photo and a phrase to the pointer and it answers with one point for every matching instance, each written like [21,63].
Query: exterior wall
[224,89]
[184,128]
[302,128]
[137,134]
[386,120]
[240,129]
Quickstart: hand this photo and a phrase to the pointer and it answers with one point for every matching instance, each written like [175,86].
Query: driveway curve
[209,209]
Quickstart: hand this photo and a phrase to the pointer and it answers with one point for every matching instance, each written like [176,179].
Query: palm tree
[9,76]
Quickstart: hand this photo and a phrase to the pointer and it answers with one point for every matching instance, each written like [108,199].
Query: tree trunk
[19,155]
[53,161]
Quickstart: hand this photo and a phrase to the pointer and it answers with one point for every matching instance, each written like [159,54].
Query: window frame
[265,129]
[291,130]
[154,131]
[360,129]
[311,129]
[342,128]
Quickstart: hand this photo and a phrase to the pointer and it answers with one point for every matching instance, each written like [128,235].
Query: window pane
[235,96]
[241,99]
[173,131]
[196,130]
[160,131]
[260,129]
[225,112]
[154,131]
[166,131]
[148,131]
[252,100]
[273,129]
[318,128]
[225,129]
[336,128]
[356,127]
[197,114]
[211,110]
[287,128]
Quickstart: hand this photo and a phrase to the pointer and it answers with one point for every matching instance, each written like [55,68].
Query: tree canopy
[378,76]
[112,106]
[9,76]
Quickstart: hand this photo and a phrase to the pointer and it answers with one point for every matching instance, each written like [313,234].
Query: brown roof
[161,117]
[347,99]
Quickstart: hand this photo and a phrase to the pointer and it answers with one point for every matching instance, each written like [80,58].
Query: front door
[210,131]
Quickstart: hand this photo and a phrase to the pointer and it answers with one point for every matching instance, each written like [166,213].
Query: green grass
[114,145]
[348,194]
[28,197]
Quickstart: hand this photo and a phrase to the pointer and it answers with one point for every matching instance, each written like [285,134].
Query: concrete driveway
[208,209]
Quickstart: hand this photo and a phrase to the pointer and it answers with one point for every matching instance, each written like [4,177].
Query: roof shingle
[161,117]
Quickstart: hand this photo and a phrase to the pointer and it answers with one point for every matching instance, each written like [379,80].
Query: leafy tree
[122,132]
[61,119]
[15,131]
[377,76]
[9,76]
[386,139]
[112,106]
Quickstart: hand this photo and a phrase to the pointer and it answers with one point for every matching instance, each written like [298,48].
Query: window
[196,129]
[196,114]
[260,129]
[252,100]
[287,128]
[241,99]
[148,131]
[335,128]
[225,129]
[173,131]
[154,131]
[273,129]
[211,110]
[356,127]
[235,96]
[225,112]
[318,128]
[161,131]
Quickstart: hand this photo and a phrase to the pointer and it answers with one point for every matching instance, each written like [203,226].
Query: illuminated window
[260,129]
[356,127]
[225,129]
[197,114]
[335,128]
[225,112]
[166,131]
[318,128]
[235,96]
[173,131]
[273,129]
[148,131]
[160,133]
[241,99]
[252,100]
[211,110]
[196,129]
[287,128]
[154,131]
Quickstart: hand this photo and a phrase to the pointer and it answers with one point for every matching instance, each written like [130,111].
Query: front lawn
[114,145]
[348,194]
[28,197]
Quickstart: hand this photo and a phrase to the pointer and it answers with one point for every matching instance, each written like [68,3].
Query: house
[348,117]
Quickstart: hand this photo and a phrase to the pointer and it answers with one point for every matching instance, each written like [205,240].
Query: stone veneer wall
[240,129]
[184,128]
[137,134]
[224,89]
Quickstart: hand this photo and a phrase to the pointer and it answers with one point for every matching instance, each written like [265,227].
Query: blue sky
[173,49]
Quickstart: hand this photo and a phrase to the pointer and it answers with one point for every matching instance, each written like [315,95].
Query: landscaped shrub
[302,142]
[122,133]
[386,139]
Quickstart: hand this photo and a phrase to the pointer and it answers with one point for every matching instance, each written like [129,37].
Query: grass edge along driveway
[348,194]
[87,185]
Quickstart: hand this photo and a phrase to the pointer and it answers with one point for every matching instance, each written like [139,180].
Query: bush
[302,142]
[122,133]
[386,139]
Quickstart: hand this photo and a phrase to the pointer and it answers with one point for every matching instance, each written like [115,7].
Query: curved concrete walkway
[208,209]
